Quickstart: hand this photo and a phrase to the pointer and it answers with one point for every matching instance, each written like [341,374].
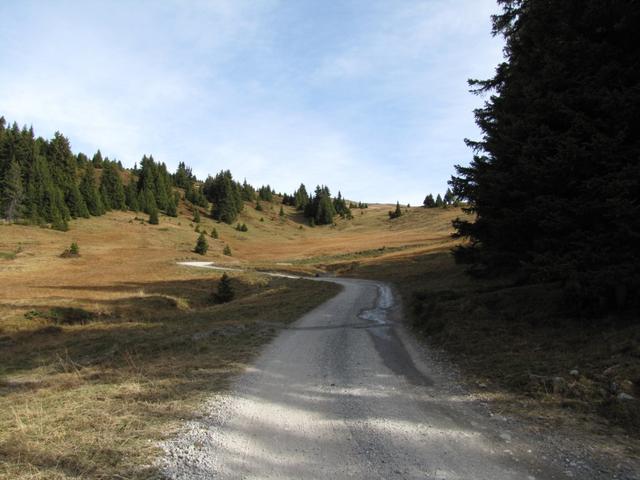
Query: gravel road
[345,393]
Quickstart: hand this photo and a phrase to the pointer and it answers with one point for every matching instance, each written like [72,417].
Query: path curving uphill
[345,393]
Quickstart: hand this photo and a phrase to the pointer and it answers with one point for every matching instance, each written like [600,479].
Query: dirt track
[345,393]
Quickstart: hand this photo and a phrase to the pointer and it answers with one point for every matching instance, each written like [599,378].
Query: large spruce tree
[89,191]
[12,193]
[555,181]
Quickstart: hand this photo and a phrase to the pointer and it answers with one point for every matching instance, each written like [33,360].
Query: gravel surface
[345,392]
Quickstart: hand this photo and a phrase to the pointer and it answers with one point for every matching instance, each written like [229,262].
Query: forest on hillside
[43,182]
[554,185]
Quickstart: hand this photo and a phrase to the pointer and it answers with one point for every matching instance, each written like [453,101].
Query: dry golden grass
[90,400]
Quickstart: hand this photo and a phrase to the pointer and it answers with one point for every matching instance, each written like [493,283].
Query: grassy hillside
[104,353]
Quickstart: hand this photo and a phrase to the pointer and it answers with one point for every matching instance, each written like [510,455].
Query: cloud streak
[367,97]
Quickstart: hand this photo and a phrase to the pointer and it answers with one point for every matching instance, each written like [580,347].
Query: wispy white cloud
[368,97]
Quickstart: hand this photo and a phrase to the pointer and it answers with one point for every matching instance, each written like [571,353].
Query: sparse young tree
[201,245]
[214,233]
[227,250]
[397,212]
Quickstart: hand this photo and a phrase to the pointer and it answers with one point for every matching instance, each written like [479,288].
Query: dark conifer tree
[429,202]
[301,198]
[97,159]
[225,195]
[111,189]
[201,245]
[90,192]
[154,216]
[12,193]
[225,291]
[172,209]
[131,196]
[397,212]
[555,178]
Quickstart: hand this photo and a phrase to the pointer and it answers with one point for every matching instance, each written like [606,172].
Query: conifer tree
[227,250]
[225,195]
[97,159]
[448,197]
[281,214]
[131,196]
[201,245]
[301,198]
[172,210]
[12,193]
[153,216]
[554,181]
[429,202]
[439,202]
[75,202]
[397,212]
[214,233]
[196,216]
[225,291]
[111,188]
[89,191]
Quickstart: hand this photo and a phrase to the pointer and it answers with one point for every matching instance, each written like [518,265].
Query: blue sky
[369,97]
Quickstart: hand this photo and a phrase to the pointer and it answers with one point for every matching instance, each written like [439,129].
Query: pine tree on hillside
[97,159]
[201,245]
[45,201]
[196,216]
[448,197]
[149,201]
[265,193]
[397,212]
[111,189]
[131,196]
[183,177]
[89,191]
[12,193]
[301,198]
[75,202]
[154,216]
[225,195]
[429,202]
[172,209]
[439,202]
[248,192]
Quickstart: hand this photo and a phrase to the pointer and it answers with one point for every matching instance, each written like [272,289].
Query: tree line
[43,181]
[321,208]
[555,179]
[448,200]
